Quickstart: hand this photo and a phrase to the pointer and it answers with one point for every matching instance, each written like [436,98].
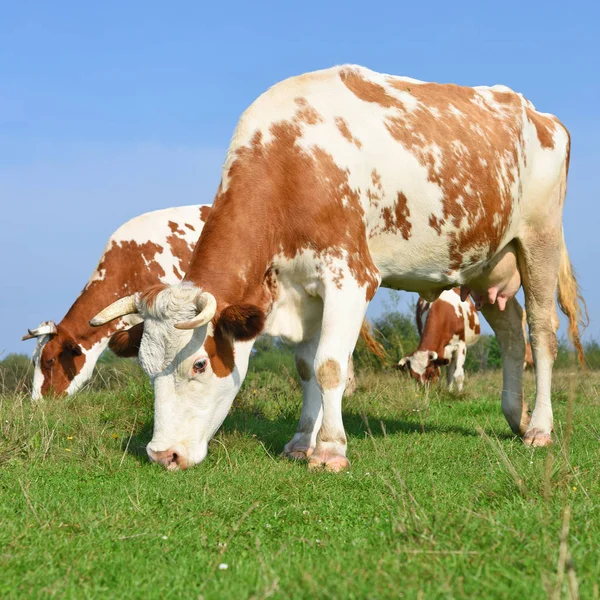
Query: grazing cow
[447,326]
[153,248]
[337,182]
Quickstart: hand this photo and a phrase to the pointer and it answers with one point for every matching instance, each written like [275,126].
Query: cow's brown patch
[303,369]
[204,212]
[174,227]
[181,250]
[306,113]
[376,180]
[368,91]
[220,354]
[471,316]
[329,374]
[344,129]
[396,219]
[190,227]
[545,127]
[436,224]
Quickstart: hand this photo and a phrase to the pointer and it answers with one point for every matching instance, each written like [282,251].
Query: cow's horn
[46,328]
[120,308]
[207,305]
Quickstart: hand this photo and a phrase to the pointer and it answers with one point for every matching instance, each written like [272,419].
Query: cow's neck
[76,321]
[233,257]
[434,338]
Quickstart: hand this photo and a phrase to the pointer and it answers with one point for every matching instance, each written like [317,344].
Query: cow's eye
[200,365]
[50,361]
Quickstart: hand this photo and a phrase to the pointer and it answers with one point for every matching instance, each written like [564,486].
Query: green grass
[441,501]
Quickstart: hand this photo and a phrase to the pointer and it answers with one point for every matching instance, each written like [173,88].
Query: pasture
[441,501]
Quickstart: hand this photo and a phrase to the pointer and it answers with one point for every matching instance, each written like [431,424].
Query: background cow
[152,248]
[447,326]
[339,181]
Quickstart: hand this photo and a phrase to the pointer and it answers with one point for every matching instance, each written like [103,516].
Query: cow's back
[437,178]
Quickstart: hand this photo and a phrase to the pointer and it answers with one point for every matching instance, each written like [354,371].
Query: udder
[499,282]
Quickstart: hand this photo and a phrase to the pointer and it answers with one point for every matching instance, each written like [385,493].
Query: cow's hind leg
[539,260]
[303,443]
[343,313]
[507,326]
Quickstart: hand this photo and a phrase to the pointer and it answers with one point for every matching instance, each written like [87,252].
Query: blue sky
[111,109]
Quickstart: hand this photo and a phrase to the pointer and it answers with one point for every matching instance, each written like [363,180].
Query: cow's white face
[423,366]
[193,391]
[196,363]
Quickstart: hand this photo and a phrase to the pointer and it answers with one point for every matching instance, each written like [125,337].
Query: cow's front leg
[460,355]
[343,312]
[303,443]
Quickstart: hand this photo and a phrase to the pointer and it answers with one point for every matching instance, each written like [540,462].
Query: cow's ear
[403,364]
[441,361]
[126,343]
[241,322]
[71,346]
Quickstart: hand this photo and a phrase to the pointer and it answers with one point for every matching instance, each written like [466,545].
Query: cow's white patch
[91,358]
[38,376]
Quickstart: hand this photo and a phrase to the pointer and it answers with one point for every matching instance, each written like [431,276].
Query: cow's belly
[425,266]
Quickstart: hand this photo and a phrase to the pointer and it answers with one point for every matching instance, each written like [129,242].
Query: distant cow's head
[196,359]
[423,365]
[57,360]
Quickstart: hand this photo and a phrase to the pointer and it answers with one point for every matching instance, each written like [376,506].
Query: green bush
[16,374]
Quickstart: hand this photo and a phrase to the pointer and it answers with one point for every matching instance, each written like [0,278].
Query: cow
[155,247]
[152,248]
[447,327]
[338,182]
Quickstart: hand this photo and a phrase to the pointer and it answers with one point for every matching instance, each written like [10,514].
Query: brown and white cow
[152,248]
[447,326]
[337,182]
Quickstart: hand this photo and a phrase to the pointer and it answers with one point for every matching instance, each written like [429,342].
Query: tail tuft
[571,302]
[372,344]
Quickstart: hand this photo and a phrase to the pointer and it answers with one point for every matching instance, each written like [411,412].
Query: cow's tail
[571,301]
[373,345]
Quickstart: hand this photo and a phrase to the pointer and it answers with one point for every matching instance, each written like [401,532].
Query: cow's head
[57,361]
[423,365]
[196,359]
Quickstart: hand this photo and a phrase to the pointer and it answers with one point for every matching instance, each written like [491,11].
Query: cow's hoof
[336,463]
[537,438]
[298,453]
[298,448]
[519,426]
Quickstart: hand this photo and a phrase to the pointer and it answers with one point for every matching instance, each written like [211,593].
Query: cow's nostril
[174,457]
